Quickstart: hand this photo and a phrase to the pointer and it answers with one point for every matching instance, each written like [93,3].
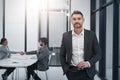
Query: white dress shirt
[77,47]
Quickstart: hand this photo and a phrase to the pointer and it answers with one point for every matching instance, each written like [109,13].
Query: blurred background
[23,22]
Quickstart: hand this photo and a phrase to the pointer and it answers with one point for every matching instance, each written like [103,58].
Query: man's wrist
[88,63]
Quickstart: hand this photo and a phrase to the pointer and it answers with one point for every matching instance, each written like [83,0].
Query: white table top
[17,60]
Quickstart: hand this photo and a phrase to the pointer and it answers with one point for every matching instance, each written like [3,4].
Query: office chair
[46,75]
[48,64]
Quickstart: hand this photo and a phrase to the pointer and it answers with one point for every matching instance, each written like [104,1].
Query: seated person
[42,62]
[5,53]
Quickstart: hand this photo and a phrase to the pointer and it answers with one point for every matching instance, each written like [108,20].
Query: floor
[54,73]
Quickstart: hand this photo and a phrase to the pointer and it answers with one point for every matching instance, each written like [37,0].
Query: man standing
[79,51]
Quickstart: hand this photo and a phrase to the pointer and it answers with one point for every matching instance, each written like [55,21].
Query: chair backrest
[49,59]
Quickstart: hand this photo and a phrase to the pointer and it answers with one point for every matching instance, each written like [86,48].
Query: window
[109,41]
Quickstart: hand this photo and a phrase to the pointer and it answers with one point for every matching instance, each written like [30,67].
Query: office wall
[109,41]
[1,19]
[58,4]
[84,7]
[14,23]
[43,22]
[57,21]
[57,26]
[32,25]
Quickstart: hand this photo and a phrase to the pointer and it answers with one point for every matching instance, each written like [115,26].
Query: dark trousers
[30,71]
[75,74]
[8,71]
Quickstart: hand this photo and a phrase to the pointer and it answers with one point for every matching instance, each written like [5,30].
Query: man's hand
[21,53]
[83,64]
[5,57]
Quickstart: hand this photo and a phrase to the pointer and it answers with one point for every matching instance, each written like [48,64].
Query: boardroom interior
[23,22]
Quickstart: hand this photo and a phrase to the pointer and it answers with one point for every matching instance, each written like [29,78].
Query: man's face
[41,44]
[77,21]
[5,43]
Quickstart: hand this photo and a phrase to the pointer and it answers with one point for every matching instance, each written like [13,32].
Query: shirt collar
[73,33]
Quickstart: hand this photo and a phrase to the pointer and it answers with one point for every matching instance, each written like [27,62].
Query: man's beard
[77,25]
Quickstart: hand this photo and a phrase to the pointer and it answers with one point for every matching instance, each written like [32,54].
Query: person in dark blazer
[5,53]
[42,62]
[79,50]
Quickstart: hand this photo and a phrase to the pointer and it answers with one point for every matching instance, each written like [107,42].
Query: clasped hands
[21,53]
[83,65]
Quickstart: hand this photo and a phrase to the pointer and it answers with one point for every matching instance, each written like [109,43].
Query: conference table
[19,61]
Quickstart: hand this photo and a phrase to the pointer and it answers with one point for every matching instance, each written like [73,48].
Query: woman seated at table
[42,62]
[5,53]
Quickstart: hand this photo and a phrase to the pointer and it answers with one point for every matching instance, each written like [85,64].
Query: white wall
[57,27]
[14,23]
[32,25]
[43,24]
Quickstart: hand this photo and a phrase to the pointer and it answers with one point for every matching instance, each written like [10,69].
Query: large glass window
[109,41]
[97,33]
[1,19]
[14,23]
[97,24]
[109,1]
[97,4]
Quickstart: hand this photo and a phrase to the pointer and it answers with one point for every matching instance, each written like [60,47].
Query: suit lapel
[70,40]
[86,39]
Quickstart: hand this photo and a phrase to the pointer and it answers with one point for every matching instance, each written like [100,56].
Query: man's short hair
[44,39]
[77,12]
[3,40]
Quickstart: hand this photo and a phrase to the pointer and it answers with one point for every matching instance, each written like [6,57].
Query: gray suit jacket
[5,52]
[43,58]
[92,52]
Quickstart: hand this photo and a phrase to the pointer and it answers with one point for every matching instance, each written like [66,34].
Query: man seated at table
[5,53]
[42,62]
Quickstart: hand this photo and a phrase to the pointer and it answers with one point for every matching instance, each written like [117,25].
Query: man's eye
[79,18]
[74,19]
